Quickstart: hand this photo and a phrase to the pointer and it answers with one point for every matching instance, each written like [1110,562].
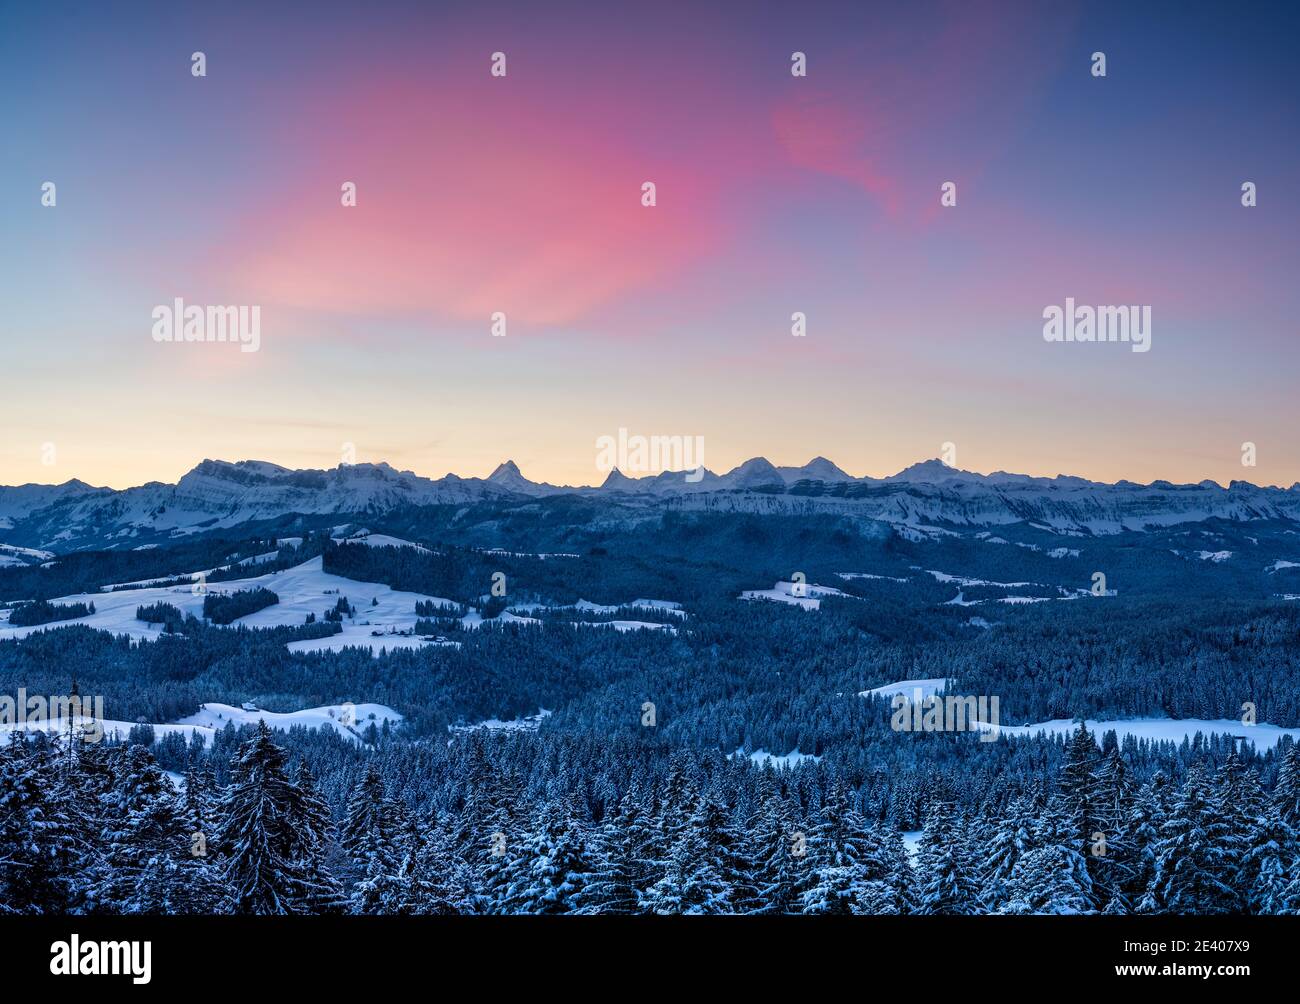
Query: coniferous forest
[555,826]
[725,757]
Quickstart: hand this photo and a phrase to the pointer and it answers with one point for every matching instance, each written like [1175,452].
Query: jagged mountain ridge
[220,494]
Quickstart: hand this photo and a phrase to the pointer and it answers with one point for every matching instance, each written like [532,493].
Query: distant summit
[507,475]
[616,480]
[755,473]
[817,469]
[929,472]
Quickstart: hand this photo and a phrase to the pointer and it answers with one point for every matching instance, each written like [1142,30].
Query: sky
[775,194]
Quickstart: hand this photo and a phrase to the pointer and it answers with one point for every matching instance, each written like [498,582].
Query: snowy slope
[384,617]
[915,690]
[346,719]
[381,540]
[1262,735]
[304,589]
[809,597]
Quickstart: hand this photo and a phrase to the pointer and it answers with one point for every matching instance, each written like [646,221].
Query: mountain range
[925,497]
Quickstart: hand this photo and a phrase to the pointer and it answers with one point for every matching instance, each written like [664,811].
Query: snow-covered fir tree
[266,862]
[948,881]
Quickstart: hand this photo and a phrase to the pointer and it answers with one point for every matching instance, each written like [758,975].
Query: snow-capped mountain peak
[817,469]
[756,473]
[508,476]
[616,480]
[929,472]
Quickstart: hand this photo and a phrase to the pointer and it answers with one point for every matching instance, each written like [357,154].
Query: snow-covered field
[112,728]
[667,606]
[1163,729]
[960,599]
[529,554]
[587,607]
[530,724]
[385,617]
[605,608]
[13,556]
[1264,736]
[381,540]
[628,625]
[916,690]
[346,719]
[304,589]
[377,639]
[156,582]
[791,759]
[961,580]
[257,559]
[473,620]
[806,596]
[849,576]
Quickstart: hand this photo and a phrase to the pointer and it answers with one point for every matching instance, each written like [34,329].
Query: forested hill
[559,674]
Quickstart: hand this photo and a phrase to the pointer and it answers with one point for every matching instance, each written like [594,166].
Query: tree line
[98,828]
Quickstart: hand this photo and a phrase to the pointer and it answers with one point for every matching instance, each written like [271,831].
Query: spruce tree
[1012,839]
[263,857]
[40,850]
[555,864]
[1270,868]
[1052,877]
[696,880]
[1194,854]
[779,870]
[455,891]
[151,862]
[365,830]
[948,881]
[888,883]
[617,845]
[380,851]
[1147,814]
[313,824]
[1286,792]
[841,856]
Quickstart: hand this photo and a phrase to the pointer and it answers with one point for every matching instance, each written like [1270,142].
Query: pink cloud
[865,115]
[468,204]
[819,132]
